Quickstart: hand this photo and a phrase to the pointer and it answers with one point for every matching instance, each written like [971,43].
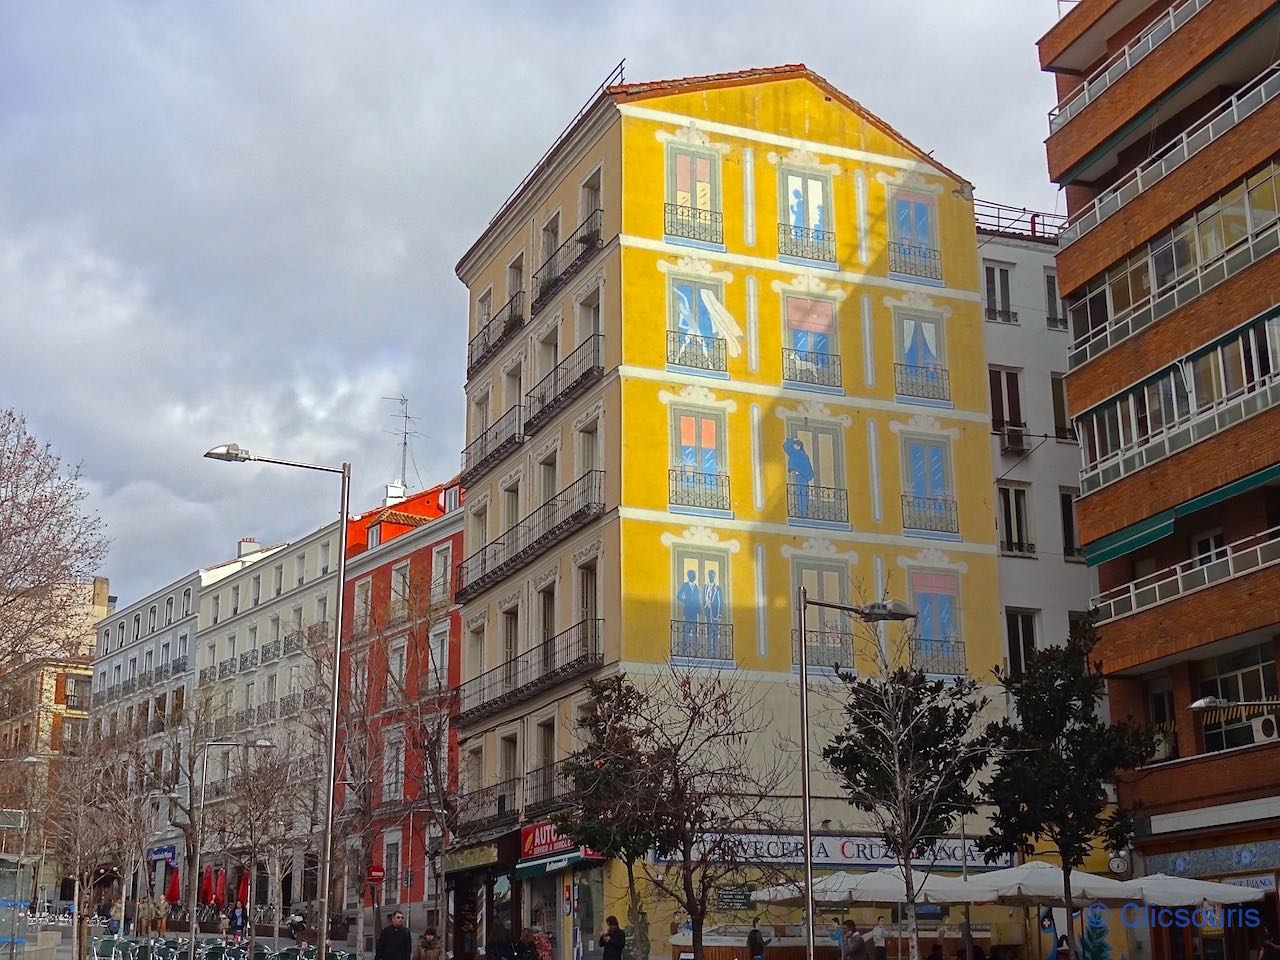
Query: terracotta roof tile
[393,515]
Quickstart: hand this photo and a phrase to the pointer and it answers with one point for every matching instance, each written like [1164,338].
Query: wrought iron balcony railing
[314,697]
[1001,315]
[944,657]
[76,701]
[1018,548]
[521,543]
[493,444]
[129,686]
[570,377]
[811,367]
[223,725]
[248,660]
[270,651]
[290,703]
[496,332]
[693,223]
[546,789]
[569,653]
[294,641]
[248,717]
[930,514]
[705,491]
[209,674]
[179,665]
[567,260]
[162,671]
[825,504]
[910,260]
[227,667]
[696,351]
[266,711]
[700,640]
[824,649]
[806,243]
[145,678]
[924,383]
[487,807]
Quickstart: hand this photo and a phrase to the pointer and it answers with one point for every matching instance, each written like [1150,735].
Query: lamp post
[234,453]
[194,879]
[867,613]
[22,855]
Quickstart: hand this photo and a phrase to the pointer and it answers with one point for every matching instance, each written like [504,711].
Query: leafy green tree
[1055,758]
[907,756]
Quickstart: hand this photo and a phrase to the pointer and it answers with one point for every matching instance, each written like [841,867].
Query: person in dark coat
[394,943]
[499,946]
[613,939]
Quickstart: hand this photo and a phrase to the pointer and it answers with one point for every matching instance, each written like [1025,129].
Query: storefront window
[589,887]
[502,904]
[544,910]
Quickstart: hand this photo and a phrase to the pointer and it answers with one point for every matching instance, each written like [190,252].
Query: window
[186,602]
[548,477]
[322,609]
[216,606]
[1020,629]
[828,633]
[999,301]
[480,414]
[1067,507]
[935,594]
[235,600]
[438,669]
[300,568]
[810,352]
[253,636]
[248,695]
[255,589]
[400,591]
[451,499]
[702,621]
[137,625]
[928,501]
[1054,308]
[391,864]
[693,180]
[511,504]
[550,239]
[698,441]
[119,636]
[231,646]
[921,354]
[395,674]
[278,574]
[1208,547]
[1244,675]
[589,316]
[363,595]
[1062,427]
[806,200]
[699,325]
[1015,520]
[589,196]
[515,276]
[106,641]
[510,634]
[441,564]
[393,770]
[588,449]
[1006,398]
[151,619]
[484,308]
[375,535]
[295,619]
[273,628]
[324,558]
[913,244]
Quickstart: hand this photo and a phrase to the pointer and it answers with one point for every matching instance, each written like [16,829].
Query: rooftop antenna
[406,428]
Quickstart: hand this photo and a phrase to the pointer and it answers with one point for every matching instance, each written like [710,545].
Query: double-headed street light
[878,612]
[235,453]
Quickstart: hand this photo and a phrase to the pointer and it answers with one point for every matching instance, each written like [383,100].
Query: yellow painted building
[725,340]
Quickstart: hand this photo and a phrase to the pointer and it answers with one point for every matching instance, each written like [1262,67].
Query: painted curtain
[921,342]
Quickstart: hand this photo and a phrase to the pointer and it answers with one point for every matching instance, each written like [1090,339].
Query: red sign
[541,840]
[376,874]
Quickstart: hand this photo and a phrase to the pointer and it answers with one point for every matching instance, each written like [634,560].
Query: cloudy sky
[224,220]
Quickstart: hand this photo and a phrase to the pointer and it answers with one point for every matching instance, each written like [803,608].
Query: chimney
[247,546]
[395,494]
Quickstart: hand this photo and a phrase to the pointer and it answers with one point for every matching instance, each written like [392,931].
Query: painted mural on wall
[1217,861]
[701,623]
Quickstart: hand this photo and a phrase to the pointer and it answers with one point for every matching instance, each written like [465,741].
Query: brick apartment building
[1165,140]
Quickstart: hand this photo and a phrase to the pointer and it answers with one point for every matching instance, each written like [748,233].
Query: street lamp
[30,760]
[878,612]
[194,879]
[234,453]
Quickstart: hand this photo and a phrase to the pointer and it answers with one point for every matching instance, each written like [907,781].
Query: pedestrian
[115,926]
[853,946]
[756,943]
[142,918]
[160,914]
[130,917]
[394,942]
[237,920]
[499,946]
[878,939]
[613,940]
[429,948]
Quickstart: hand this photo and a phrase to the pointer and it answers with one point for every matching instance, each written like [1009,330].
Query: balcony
[1123,61]
[941,657]
[266,711]
[1001,315]
[568,654]
[209,674]
[162,672]
[1201,780]
[99,698]
[571,508]
[224,725]
[693,223]
[290,704]
[915,262]
[811,367]
[1215,124]
[488,808]
[178,665]
[315,697]
[818,504]
[1254,552]
[248,717]
[922,383]
[929,514]
[824,649]
[76,701]
[248,660]
[129,686]
[567,260]
[699,491]
[270,651]
[145,678]
[696,352]
[699,640]
[155,725]
[294,641]
[502,436]
[571,376]
[495,333]
[547,789]
[1054,322]
[1017,548]
[806,243]
[227,668]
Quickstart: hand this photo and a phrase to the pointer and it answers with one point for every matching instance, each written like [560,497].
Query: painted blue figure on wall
[800,468]
[689,599]
[807,205]
[713,610]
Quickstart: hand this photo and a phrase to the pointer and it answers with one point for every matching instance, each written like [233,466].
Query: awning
[550,864]
[1147,531]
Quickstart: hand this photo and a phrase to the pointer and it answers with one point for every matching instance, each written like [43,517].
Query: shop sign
[1259,881]
[733,897]
[470,857]
[852,851]
[543,840]
[168,854]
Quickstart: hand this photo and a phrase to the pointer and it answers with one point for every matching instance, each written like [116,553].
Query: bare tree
[78,830]
[51,545]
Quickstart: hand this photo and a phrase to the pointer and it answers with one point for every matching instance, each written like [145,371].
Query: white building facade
[1044,583]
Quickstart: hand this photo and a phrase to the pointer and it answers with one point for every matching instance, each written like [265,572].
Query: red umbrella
[173,890]
[242,894]
[206,884]
[220,888]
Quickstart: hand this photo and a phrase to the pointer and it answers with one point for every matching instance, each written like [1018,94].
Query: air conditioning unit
[1265,728]
[1013,438]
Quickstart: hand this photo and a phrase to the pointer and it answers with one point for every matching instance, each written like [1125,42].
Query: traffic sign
[376,874]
